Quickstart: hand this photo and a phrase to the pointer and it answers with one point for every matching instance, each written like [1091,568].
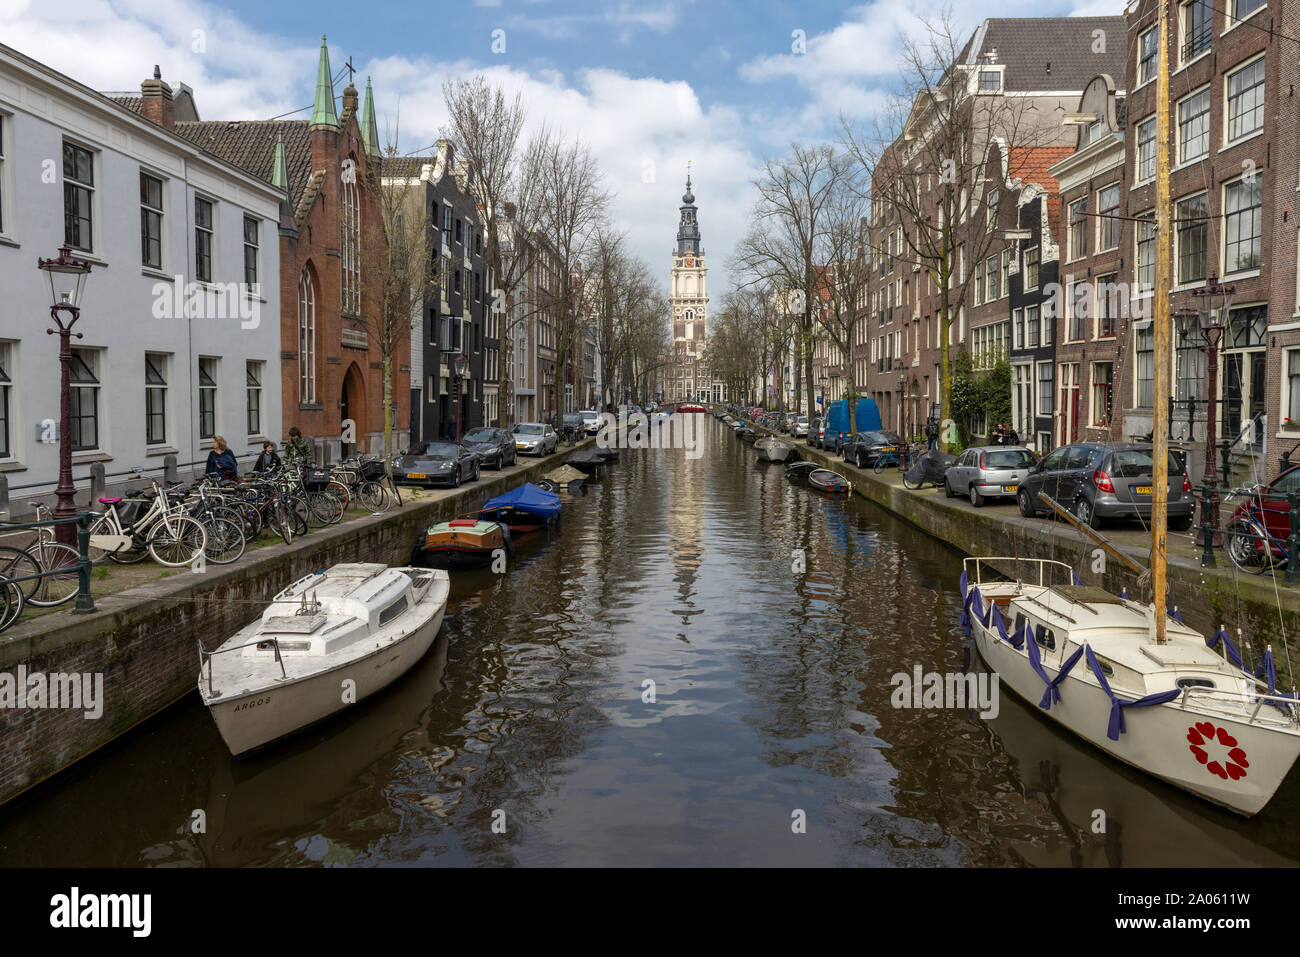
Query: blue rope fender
[1222,636]
[1115,727]
[1016,640]
[1075,579]
[964,584]
[1267,670]
[1176,616]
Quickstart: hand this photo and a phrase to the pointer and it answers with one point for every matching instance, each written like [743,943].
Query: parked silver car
[799,428]
[990,471]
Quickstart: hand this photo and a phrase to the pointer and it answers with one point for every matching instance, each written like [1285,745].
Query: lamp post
[1205,327]
[67,278]
[460,368]
[902,414]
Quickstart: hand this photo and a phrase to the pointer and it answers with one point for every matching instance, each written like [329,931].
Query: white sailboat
[327,641]
[1125,676]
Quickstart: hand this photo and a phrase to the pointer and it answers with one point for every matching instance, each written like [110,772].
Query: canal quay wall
[1207,598]
[144,641]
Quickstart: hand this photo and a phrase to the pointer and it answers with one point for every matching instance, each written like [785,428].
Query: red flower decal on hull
[1231,766]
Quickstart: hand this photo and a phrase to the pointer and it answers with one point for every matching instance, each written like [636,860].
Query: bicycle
[47,570]
[889,457]
[224,525]
[170,536]
[1247,540]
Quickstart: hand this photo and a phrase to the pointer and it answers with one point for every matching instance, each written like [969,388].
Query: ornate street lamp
[1205,329]
[67,278]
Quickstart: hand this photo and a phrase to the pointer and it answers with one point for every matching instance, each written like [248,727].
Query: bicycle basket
[314,478]
[371,471]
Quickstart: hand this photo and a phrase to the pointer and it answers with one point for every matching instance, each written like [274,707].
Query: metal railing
[205,657]
[85,602]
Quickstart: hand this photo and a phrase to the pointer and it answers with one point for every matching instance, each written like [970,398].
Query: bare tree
[782,247]
[846,274]
[487,127]
[571,205]
[927,159]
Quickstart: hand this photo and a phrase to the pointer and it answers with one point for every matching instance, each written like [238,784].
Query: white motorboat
[1092,662]
[327,641]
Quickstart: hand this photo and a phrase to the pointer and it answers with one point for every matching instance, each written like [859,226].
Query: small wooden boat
[824,480]
[523,510]
[463,543]
[799,471]
[608,453]
[361,623]
[747,435]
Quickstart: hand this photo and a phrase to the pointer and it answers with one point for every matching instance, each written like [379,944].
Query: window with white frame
[155,398]
[1033,337]
[1103,393]
[1079,228]
[306,339]
[7,370]
[351,258]
[151,218]
[209,377]
[1107,304]
[1044,388]
[3,122]
[1240,9]
[1031,268]
[252,244]
[1006,272]
[1293,387]
[1144,345]
[1242,224]
[1077,300]
[1245,113]
[1191,231]
[78,196]
[203,239]
[1193,126]
[85,381]
[1196,20]
[1108,218]
[1148,55]
[254,372]
[1145,266]
[1146,150]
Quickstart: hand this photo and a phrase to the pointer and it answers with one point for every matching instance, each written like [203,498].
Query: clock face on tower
[689,262]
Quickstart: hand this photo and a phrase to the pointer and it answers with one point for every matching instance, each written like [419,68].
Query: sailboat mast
[1162,329]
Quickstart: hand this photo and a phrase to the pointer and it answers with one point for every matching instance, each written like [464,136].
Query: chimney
[156,101]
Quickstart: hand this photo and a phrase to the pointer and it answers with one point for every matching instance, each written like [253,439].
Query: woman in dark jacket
[221,461]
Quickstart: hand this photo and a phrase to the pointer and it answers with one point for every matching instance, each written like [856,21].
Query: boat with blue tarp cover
[524,509]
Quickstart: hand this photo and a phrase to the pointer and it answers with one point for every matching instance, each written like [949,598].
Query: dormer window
[990,81]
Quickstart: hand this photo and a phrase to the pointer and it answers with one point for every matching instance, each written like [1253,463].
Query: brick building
[331,363]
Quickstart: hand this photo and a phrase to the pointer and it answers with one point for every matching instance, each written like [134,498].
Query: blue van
[866,418]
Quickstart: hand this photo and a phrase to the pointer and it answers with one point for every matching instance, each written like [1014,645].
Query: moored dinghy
[523,510]
[775,450]
[463,543]
[367,623]
[824,480]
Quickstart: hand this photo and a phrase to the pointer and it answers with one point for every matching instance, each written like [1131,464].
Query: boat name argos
[935,689]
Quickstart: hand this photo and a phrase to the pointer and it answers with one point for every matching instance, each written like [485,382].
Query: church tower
[688,376]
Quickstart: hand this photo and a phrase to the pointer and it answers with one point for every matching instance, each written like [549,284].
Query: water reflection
[771,693]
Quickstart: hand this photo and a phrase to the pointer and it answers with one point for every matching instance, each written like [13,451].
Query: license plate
[520,447]
[1142,489]
[1011,488]
[415,475]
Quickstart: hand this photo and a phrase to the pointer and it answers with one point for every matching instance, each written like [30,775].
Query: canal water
[771,738]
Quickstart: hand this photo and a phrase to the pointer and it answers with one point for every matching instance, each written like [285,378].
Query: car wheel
[1085,513]
[455,481]
[947,488]
[861,460]
[1026,504]
[976,498]
[476,471]
[1181,524]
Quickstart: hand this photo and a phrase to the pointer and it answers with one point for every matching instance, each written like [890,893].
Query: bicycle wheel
[60,575]
[11,603]
[373,497]
[882,462]
[277,519]
[299,514]
[325,509]
[175,542]
[339,492]
[225,539]
[1248,547]
[909,484]
[16,564]
[125,556]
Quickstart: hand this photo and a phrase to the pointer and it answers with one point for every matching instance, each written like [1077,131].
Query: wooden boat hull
[252,721]
[838,485]
[1157,739]
[463,547]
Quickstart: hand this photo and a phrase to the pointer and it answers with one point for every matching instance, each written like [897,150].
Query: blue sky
[648,85]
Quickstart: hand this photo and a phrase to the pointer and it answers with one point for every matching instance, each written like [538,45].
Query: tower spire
[369,128]
[688,229]
[323,112]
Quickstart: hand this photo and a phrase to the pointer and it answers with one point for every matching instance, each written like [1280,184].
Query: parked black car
[863,448]
[495,447]
[436,463]
[1097,482]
